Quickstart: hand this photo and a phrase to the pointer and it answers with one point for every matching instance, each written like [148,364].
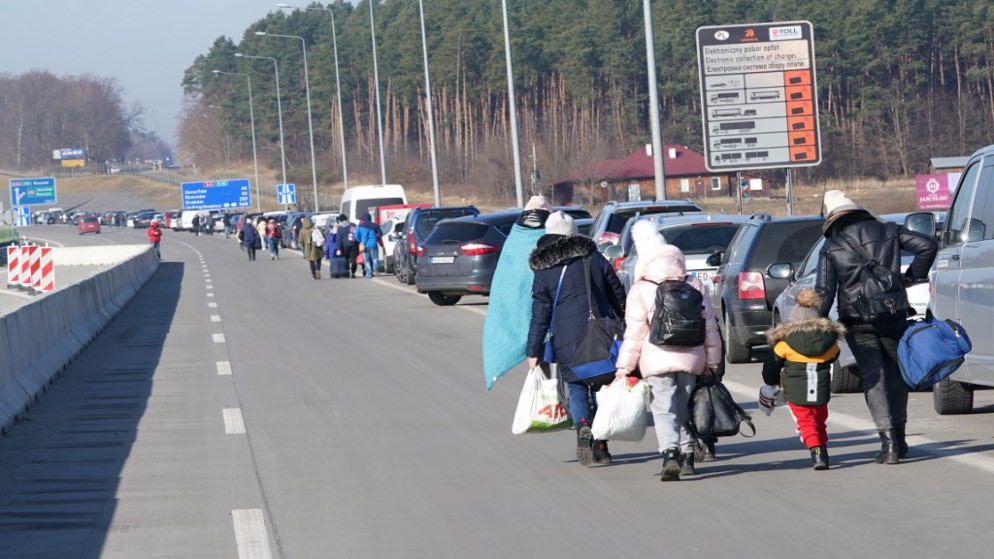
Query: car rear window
[362,206]
[789,241]
[457,232]
[621,217]
[701,239]
[427,221]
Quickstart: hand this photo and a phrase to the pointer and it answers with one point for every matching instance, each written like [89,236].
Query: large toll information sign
[758,94]
[216,195]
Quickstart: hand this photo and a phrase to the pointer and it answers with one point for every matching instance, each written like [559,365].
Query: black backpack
[881,290]
[678,318]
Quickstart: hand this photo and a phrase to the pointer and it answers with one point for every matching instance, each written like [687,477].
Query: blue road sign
[286,198]
[286,188]
[27,192]
[23,214]
[217,195]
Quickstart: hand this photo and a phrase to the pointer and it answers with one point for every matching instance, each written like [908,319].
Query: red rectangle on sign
[797,77]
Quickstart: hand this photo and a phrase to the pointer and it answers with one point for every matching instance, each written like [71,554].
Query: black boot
[819,457]
[584,438]
[601,454]
[671,465]
[889,453]
[687,467]
[902,444]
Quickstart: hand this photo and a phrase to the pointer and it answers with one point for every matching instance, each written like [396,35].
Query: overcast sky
[144,44]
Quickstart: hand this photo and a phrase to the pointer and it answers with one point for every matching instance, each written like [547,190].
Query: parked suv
[743,293]
[417,226]
[614,215]
[960,280]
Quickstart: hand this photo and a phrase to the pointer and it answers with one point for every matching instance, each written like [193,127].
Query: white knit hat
[836,201]
[538,203]
[560,223]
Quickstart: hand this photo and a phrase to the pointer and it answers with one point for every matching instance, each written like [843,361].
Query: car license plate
[442,259]
[703,276]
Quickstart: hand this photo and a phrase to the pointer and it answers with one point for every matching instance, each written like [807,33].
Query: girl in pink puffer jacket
[671,372]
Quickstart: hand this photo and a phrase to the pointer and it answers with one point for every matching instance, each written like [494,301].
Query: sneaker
[600,452]
[671,465]
[819,457]
[584,439]
[687,468]
[704,452]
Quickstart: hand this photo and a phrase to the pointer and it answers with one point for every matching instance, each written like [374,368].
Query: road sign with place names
[217,195]
[286,193]
[28,192]
[758,95]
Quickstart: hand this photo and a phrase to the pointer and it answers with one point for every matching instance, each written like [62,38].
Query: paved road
[354,423]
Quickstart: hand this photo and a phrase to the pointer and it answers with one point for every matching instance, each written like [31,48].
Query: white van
[186,219]
[356,201]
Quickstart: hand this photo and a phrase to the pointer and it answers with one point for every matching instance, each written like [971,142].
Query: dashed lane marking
[234,424]
[224,367]
[215,318]
[218,338]
[250,534]
[212,305]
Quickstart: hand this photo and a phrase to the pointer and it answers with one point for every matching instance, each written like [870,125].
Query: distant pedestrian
[348,247]
[854,236]
[799,366]
[312,245]
[196,224]
[155,237]
[273,235]
[368,236]
[251,239]
[226,220]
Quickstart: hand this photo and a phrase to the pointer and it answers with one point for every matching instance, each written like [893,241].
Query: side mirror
[781,270]
[921,222]
[613,251]
[714,259]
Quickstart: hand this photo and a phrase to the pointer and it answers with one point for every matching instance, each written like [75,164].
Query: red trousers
[811,423]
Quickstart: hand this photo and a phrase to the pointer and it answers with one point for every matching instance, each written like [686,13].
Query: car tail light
[419,251]
[476,249]
[609,237]
[412,242]
[478,288]
[751,285]
[617,262]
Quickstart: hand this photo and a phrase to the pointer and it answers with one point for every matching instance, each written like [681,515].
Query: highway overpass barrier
[40,339]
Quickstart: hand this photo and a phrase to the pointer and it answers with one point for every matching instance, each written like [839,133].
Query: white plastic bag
[538,408]
[621,412]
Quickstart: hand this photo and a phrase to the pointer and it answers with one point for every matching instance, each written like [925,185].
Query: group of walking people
[342,246]
[797,370]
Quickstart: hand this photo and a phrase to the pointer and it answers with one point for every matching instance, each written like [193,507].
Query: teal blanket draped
[509,311]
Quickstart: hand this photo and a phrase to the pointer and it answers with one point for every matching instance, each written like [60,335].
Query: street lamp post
[338,85]
[513,112]
[279,105]
[376,83]
[255,153]
[310,125]
[431,111]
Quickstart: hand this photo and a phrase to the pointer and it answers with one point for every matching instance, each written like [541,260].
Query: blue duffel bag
[931,350]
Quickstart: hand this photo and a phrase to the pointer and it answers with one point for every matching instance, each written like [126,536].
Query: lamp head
[260,33]
[238,55]
[283,6]
[216,71]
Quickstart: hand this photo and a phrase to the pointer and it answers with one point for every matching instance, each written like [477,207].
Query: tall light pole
[657,137]
[519,189]
[279,105]
[376,83]
[255,154]
[310,125]
[431,111]
[338,85]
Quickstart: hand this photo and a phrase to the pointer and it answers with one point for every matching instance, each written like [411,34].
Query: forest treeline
[899,82]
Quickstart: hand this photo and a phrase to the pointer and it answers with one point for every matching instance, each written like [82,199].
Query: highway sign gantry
[217,195]
[758,95]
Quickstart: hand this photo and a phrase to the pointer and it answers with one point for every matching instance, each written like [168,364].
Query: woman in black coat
[562,248]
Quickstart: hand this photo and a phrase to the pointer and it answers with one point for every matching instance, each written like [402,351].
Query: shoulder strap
[586,279]
[555,301]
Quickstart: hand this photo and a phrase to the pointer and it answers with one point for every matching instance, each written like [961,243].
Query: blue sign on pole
[23,214]
[27,192]
[286,193]
[217,195]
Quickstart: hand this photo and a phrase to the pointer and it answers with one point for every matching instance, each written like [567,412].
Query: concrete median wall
[39,340]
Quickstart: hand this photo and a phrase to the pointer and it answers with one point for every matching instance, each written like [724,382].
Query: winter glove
[769,397]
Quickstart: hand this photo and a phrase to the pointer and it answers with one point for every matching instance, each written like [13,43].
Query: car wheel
[951,398]
[443,300]
[735,351]
[846,380]
[408,276]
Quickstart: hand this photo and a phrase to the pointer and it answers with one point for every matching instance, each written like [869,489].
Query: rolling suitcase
[339,267]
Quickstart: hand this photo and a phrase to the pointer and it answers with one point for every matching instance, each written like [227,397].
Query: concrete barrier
[40,339]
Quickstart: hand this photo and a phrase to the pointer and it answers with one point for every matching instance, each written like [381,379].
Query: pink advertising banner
[933,191]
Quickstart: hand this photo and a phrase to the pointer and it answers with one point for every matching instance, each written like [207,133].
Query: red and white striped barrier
[26,266]
[35,278]
[13,266]
[45,278]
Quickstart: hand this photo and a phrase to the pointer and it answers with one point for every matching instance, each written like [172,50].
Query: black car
[420,222]
[743,295]
[289,228]
[143,219]
[460,256]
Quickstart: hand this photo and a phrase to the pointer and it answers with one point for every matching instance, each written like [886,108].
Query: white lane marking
[212,305]
[398,287]
[234,424]
[250,534]
[208,280]
[219,338]
[46,241]
[215,318]
[209,286]
[210,294]
[853,423]
[224,367]
[16,294]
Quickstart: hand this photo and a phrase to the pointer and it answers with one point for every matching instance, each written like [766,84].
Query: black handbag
[713,412]
[597,349]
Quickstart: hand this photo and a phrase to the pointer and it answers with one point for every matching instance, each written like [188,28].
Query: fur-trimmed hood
[817,326]
[556,251]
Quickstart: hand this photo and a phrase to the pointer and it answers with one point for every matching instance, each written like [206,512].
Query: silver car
[845,371]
